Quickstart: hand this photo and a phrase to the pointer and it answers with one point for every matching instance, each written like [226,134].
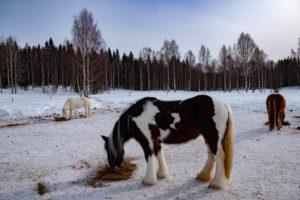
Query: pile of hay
[113,174]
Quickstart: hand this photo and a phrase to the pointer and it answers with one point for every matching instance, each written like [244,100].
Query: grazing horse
[275,106]
[74,103]
[151,122]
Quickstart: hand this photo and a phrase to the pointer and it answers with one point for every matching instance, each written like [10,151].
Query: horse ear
[104,138]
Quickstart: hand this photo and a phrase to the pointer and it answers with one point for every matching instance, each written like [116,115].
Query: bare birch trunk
[16,62]
[88,75]
[84,75]
[141,78]
[174,78]
[8,75]
[0,84]
[148,72]
[106,74]
[224,86]
[43,75]
[168,78]
[11,68]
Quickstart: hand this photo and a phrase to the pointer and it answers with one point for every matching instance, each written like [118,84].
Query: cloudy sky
[130,25]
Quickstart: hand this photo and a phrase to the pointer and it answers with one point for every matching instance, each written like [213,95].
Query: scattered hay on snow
[113,174]
[15,124]
[42,188]
[60,119]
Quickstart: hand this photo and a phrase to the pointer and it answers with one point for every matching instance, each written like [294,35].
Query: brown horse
[275,106]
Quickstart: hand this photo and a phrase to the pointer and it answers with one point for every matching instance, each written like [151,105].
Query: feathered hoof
[162,175]
[204,177]
[215,187]
[149,183]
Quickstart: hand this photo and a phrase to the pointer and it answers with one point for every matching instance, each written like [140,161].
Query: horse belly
[79,104]
[181,136]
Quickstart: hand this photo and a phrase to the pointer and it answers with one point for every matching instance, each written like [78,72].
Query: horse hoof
[162,175]
[204,177]
[149,183]
[215,187]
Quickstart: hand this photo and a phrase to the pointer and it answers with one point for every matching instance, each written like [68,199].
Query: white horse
[73,103]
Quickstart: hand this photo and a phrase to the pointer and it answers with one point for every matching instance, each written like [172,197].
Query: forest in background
[88,66]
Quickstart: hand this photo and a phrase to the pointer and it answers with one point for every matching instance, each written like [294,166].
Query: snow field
[63,154]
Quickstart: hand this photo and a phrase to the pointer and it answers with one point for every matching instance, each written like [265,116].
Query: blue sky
[130,25]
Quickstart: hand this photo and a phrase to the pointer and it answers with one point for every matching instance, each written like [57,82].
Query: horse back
[279,102]
[195,117]
[275,106]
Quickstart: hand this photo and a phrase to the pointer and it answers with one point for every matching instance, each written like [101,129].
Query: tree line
[88,66]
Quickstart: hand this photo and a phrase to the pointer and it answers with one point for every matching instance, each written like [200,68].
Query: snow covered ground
[64,154]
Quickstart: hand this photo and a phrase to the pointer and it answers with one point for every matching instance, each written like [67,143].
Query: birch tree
[223,64]
[190,60]
[145,54]
[204,58]
[11,60]
[169,50]
[245,47]
[86,37]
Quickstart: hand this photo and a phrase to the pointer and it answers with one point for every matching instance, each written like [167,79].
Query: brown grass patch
[113,174]
[42,188]
[60,119]
[10,125]
[296,116]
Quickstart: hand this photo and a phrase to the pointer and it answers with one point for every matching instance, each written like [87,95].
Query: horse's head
[64,111]
[114,157]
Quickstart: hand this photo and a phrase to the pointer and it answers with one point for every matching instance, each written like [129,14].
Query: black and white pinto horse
[151,122]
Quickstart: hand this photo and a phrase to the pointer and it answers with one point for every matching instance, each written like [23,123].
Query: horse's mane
[121,133]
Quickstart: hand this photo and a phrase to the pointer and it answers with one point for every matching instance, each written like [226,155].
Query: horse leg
[282,118]
[162,171]
[206,172]
[219,181]
[70,113]
[76,115]
[86,112]
[150,178]
[278,121]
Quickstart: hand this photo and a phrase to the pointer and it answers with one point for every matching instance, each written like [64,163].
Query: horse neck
[120,134]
